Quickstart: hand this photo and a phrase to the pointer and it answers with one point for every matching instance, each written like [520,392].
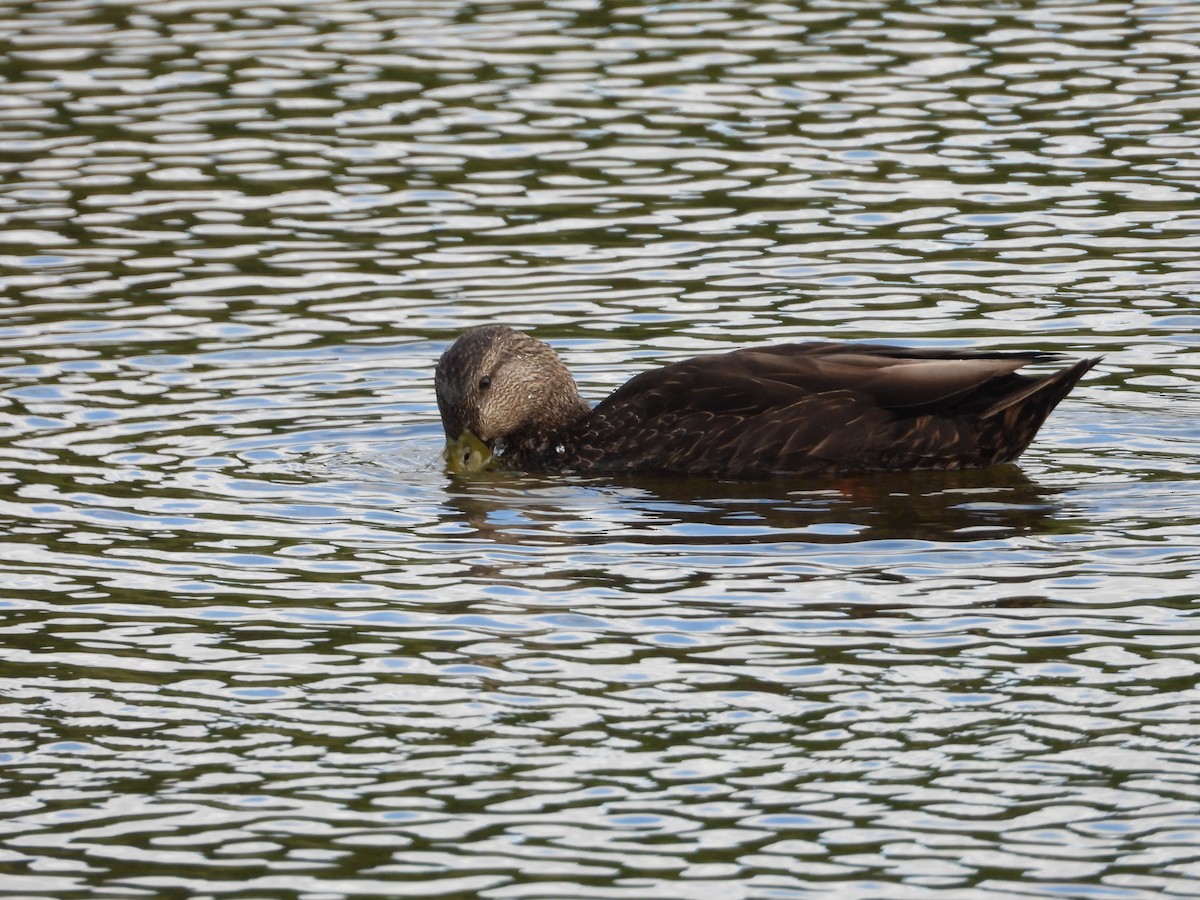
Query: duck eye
[485,382]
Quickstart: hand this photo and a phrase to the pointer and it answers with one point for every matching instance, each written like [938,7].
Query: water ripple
[255,641]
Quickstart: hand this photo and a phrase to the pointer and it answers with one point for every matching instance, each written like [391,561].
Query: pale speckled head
[498,383]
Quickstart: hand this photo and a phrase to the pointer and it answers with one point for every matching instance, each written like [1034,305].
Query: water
[257,644]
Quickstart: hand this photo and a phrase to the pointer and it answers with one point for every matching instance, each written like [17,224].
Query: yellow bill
[467,454]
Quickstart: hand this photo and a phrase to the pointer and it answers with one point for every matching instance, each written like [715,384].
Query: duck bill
[466,454]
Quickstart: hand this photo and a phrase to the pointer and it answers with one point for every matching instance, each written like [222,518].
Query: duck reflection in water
[647,510]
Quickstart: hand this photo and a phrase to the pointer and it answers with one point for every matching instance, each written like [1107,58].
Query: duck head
[499,390]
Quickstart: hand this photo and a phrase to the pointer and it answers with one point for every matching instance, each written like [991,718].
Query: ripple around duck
[256,642]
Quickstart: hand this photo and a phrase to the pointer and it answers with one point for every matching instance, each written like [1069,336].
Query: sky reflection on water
[257,643]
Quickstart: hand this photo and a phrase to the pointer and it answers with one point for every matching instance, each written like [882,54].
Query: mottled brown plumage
[791,408]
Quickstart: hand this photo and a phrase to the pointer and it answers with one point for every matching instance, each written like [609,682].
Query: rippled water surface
[256,643]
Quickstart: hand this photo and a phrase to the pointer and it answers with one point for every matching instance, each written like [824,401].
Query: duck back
[820,408]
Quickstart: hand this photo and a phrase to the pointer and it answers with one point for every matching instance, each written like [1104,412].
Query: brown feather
[813,407]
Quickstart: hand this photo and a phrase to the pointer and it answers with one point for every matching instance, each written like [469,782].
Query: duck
[507,401]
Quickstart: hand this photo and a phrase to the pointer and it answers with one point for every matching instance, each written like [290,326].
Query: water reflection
[254,641]
[934,506]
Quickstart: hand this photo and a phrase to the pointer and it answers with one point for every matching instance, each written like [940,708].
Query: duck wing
[820,407]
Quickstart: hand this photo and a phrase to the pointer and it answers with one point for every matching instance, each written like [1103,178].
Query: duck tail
[1015,418]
